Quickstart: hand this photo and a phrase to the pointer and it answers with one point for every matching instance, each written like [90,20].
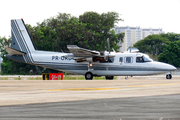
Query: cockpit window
[147,59]
[144,58]
[139,59]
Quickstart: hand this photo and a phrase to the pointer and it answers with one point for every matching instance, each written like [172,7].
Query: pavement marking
[152,85]
[94,89]
[83,89]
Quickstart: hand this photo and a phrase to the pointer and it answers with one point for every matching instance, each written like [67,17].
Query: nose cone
[169,67]
[165,66]
[173,68]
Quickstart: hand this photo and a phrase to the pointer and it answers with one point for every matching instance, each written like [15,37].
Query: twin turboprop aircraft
[82,61]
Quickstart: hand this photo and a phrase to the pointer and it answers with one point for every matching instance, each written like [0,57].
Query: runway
[135,99]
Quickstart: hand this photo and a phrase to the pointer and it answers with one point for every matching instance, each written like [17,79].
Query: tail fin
[21,41]
[20,37]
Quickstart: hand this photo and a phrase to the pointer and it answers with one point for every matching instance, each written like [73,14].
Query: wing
[81,52]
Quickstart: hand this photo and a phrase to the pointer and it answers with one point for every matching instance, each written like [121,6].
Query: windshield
[147,58]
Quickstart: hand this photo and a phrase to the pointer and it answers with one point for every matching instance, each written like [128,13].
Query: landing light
[90,65]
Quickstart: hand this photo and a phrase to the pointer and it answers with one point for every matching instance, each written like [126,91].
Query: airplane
[83,61]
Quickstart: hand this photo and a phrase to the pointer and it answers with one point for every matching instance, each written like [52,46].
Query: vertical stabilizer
[20,37]
[21,40]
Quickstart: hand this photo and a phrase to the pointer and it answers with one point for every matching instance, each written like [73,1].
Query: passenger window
[139,59]
[128,59]
[121,59]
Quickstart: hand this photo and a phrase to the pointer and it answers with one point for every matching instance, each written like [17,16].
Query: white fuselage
[109,64]
[56,60]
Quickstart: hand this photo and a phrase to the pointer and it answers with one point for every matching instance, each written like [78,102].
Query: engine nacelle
[107,54]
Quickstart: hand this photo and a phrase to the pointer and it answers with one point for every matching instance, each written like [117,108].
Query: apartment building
[134,34]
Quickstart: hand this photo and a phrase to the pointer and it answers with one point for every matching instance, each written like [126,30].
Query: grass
[17,78]
[5,78]
[36,78]
[72,77]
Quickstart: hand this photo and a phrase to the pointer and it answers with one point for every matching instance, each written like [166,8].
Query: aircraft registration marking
[94,89]
[60,58]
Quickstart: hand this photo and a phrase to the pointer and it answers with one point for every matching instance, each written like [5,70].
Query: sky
[163,14]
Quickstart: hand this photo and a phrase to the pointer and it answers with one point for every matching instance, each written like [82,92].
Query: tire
[169,76]
[89,76]
[109,77]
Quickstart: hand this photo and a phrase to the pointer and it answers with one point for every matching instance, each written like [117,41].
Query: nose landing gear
[168,76]
[89,75]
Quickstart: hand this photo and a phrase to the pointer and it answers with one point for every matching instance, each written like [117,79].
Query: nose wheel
[168,76]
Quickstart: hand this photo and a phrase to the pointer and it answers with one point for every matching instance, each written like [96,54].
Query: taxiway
[97,99]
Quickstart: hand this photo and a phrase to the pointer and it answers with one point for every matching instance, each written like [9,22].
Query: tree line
[90,30]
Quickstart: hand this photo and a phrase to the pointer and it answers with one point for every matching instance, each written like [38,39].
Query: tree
[89,31]
[4,42]
[100,25]
[171,54]
[152,44]
[171,36]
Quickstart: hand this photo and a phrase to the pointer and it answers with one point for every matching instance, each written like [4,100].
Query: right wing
[81,52]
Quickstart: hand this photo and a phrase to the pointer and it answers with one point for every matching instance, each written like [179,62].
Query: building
[133,35]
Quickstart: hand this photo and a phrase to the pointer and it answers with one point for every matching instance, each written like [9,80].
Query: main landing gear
[168,76]
[89,75]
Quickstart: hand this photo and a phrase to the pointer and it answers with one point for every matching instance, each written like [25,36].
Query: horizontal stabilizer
[12,51]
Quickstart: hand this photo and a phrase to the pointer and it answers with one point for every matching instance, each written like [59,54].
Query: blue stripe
[66,66]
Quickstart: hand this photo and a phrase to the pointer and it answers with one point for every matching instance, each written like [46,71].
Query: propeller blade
[114,50]
[108,45]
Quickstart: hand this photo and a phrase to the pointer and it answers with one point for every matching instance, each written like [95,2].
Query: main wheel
[89,76]
[169,76]
[109,77]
